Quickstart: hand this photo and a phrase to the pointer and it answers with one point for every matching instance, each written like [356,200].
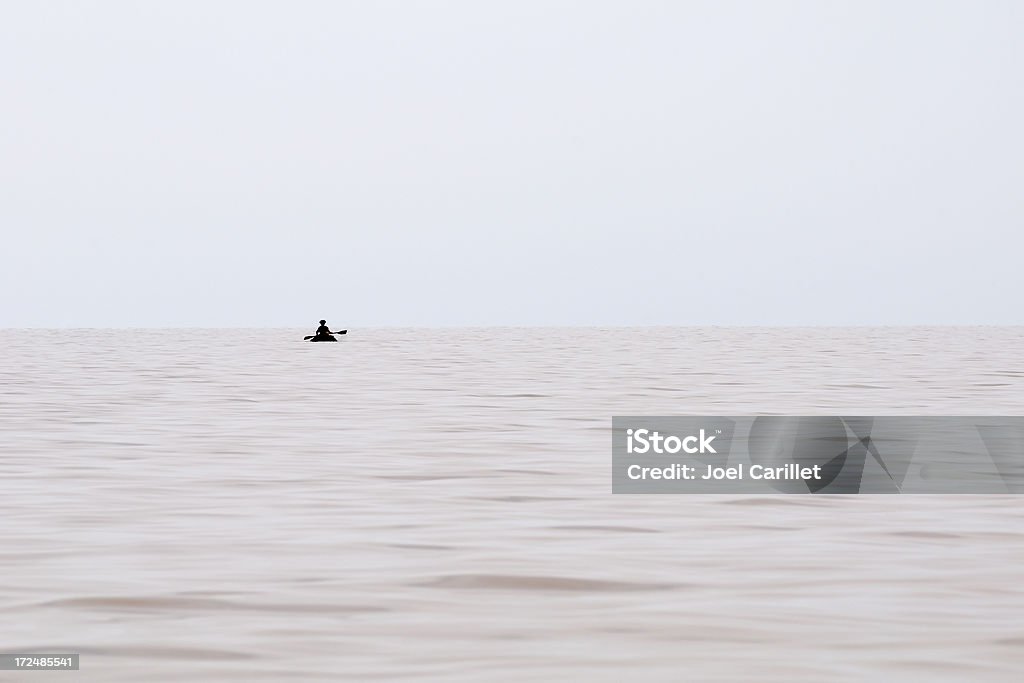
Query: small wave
[936,535]
[520,499]
[600,527]
[171,603]
[541,583]
[775,501]
[173,653]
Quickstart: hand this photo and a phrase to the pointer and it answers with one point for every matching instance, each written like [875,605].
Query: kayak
[327,337]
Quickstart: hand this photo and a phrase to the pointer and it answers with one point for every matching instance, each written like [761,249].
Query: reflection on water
[435,504]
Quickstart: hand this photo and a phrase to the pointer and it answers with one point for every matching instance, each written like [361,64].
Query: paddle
[310,336]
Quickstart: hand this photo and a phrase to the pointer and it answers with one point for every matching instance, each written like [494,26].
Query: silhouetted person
[323,332]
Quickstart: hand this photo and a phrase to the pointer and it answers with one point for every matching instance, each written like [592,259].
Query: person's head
[323,322]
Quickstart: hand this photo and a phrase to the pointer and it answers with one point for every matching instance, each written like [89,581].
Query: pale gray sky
[247,163]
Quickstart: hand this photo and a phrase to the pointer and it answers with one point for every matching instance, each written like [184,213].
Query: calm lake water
[429,504]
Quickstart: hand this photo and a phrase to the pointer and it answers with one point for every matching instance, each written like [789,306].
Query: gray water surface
[414,504]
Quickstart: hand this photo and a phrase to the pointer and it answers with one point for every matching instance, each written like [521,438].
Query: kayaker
[323,332]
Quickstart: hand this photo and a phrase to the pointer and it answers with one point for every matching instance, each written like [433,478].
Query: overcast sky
[530,162]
